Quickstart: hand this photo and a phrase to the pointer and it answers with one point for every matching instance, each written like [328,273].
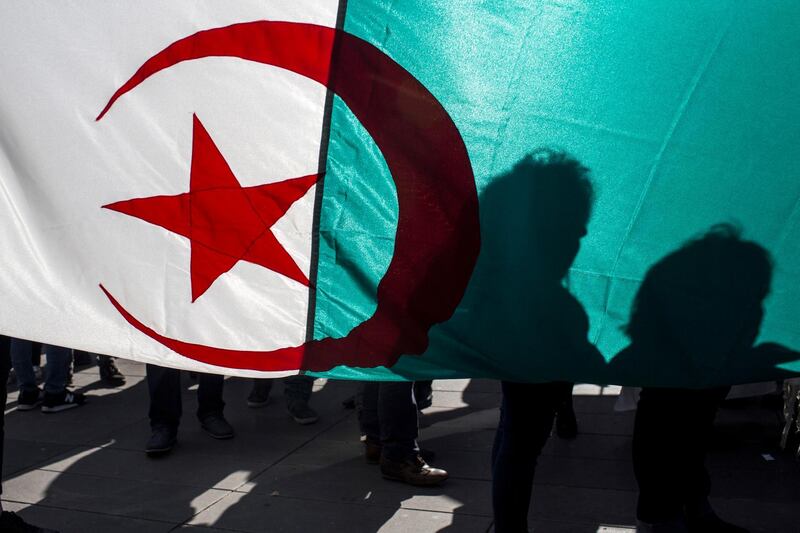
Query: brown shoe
[414,471]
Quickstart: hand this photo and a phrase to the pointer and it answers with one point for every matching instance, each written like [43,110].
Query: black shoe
[29,399]
[302,413]
[566,424]
[55,403]
[161,441]
[109,372]
[13,523]
[414,471]
[216,426]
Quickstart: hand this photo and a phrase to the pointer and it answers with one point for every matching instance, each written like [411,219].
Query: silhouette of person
[551,196]
[696,315]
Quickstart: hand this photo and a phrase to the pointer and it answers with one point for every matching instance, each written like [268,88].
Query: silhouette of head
[705,297]
[559,201]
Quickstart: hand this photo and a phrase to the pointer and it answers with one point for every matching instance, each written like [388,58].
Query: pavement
[84,470]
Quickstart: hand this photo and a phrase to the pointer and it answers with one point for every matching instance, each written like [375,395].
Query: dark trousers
[670,440]
[295,388]
[5,368]
[164,385]
[387,413]
[526,419]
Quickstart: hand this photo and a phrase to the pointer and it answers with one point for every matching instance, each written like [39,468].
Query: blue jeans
[58,360]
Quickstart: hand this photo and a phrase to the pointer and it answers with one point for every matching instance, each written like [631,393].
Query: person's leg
[366,400]
[164,386]
[259,394]
[58,360]
[696,486]
[210,406]
[56,396]
[367,409]
[397,413]
[209,395]
[297,390]
[23,367]
[526,419]
[660,437]
[400,455]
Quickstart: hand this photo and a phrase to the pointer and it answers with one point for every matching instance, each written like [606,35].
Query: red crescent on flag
[438,230]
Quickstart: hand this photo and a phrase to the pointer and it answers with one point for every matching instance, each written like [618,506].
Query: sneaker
[55,403]
[161,441]
[302,413]
[29,399]
[259,396]
[216,426]
[414,471]
[13,523]
[109,372]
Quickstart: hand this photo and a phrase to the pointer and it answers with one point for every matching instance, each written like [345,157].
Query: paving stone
[122,497]
[479,400]
[759,516]
[184,467]
[607,424]
[584,505]
[470,385]
[100,416]
[355,482]
[25,454]
[72,521]
[587,473]
[255,512]
[590,446]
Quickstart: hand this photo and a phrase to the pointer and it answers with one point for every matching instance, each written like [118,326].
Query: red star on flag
[224,222]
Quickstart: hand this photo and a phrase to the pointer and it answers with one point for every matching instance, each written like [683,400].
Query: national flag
[256,188]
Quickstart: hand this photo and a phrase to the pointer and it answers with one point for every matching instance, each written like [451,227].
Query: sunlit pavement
[84,470]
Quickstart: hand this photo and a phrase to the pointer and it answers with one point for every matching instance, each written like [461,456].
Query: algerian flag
[310,186]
